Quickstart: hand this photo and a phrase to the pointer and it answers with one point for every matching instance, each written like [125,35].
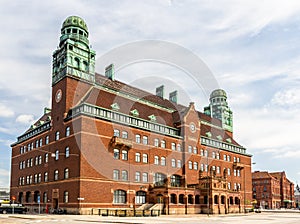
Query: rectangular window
[156,160]
[218,169]
[163,161]
[190,149]
[36,144]
[41,142]
[173,146]
[201,152]
[178,147]
[224,157]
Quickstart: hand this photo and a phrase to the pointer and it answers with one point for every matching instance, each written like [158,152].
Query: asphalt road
[262,218]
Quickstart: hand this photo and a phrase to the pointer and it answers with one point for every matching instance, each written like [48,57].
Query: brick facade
[121,147]
[272,190]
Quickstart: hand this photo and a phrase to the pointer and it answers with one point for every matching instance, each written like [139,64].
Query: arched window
[46,176]
[85,66]
[56,154]
[181,199]
[163,161]
[223,199]
[116,133]
[76,63]
[67,131]
[197,199]
[236,201]
[124,175]
[159,179]
[119,197]
[57,136]
[124,155]
[66,196]
[116,153]
[28,197]
[67,152]
[175,180]
[56,175]
[231,200]
[173,199]
[190,199]
[45,197]
[66,173]
[138,157]
[36,196]
[137,138]
[116,174]
[156,160]
[216,199]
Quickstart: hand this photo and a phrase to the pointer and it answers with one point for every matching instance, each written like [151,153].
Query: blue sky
[251,47]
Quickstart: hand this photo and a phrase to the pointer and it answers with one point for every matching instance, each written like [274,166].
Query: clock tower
[74,56]
[73,67]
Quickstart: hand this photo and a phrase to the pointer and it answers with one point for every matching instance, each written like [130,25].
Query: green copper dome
[75,21]
[74,28]
[218,93]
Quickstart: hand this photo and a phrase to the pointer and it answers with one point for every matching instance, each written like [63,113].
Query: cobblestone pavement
[262,218]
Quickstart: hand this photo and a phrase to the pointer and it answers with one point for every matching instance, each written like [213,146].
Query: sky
[251,48]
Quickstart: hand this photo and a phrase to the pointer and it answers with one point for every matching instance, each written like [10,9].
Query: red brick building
[105,144]
[272,190]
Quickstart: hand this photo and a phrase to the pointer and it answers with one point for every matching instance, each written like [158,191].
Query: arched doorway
[160,198]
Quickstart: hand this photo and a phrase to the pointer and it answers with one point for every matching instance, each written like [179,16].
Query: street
[261,218]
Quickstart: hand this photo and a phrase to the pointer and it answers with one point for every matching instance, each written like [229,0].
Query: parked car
[8,207]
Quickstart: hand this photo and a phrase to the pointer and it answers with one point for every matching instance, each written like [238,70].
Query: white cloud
[289,97]
[26,119]
[6,111]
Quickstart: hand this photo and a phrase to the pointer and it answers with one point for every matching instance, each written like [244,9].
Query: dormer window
[135,112]
[152,117]
[208,134]
[228,140]
[115,106]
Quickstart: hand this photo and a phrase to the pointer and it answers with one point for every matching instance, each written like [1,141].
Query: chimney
[160,91]
[110,72]
[173,96]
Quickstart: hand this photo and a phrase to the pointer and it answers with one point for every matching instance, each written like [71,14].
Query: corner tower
[74,56]
[218,108]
